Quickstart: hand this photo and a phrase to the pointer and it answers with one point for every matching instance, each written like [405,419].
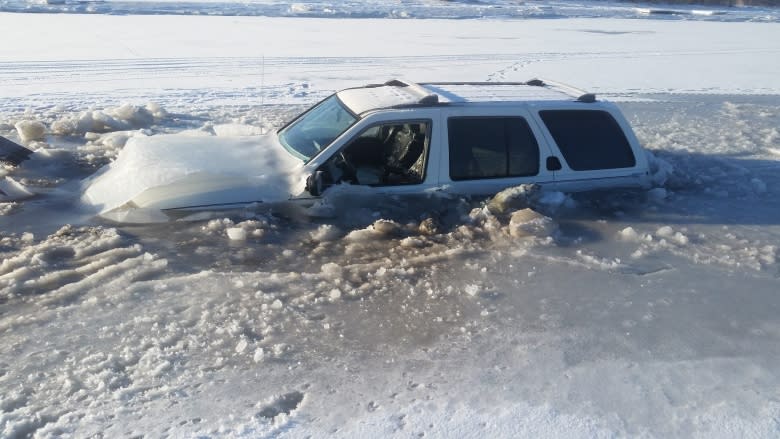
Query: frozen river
[649,314]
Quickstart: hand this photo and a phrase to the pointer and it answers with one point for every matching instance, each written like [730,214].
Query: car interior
[383,155]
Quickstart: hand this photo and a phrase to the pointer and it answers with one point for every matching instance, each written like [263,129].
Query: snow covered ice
[525,314]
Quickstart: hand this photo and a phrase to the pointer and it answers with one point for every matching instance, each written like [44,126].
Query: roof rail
[425,96]
[581,95]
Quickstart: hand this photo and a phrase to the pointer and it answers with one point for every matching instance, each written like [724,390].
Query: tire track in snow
[24,84]
[23,71]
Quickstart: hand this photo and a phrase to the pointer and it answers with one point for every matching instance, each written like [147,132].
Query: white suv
[392,138]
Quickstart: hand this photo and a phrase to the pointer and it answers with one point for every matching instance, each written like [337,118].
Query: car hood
[175,172]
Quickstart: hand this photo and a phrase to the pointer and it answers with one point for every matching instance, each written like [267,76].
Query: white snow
[525,314]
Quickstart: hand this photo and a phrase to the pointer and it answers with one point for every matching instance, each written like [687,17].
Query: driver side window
[388,154]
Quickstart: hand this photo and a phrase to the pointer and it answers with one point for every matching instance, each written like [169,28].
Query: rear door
[486,152]
[592,147]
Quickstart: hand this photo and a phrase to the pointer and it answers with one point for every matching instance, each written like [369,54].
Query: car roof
[404,94]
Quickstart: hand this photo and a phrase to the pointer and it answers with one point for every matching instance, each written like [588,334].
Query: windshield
[316,129]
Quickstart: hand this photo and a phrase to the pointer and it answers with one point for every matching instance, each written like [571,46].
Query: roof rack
[426,97]
[581,95]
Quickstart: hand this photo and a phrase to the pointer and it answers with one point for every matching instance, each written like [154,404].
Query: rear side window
[491,147]
[589,139]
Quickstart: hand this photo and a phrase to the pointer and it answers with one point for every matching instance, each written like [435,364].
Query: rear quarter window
[589,139]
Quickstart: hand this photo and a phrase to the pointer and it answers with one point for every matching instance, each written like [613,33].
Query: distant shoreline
[771,3]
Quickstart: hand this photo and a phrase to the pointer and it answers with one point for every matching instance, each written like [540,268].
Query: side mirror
[314,184]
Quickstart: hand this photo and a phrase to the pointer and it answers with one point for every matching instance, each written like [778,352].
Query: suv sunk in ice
[393,138]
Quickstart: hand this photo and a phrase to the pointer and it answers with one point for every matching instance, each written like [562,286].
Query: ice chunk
[157,110]
[331,270]
[428,226]
[596,262]
[527,222]
[12,190]
[681,239]
[665,231]
[172,171]
[299,8]
[124,117]
[518,197]
[235,129]
[117,139]
[628,234]
[380,228]
[362,235]
[386,227]
[471,289]
[675,237]
[216,224]
[412,242]
[65,127]
[325,232]
[30,130]
[137,116]
[236,233]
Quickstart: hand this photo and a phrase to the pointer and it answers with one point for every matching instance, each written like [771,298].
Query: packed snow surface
[521,314]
